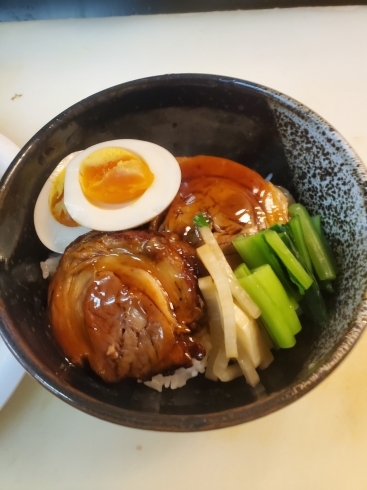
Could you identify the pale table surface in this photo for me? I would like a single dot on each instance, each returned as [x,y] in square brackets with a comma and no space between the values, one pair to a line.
[316,55]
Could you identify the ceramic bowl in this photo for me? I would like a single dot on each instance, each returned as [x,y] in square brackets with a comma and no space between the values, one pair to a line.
[190,114]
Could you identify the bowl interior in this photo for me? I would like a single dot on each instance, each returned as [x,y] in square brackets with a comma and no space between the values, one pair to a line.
[190,115]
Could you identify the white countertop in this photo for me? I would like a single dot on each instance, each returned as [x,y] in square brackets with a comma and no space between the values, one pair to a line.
[317,56]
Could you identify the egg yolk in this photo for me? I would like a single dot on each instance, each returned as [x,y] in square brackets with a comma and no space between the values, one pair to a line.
[56,201]
[114,176]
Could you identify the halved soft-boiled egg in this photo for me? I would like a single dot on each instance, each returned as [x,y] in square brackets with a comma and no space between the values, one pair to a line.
[114,185]
[54,226]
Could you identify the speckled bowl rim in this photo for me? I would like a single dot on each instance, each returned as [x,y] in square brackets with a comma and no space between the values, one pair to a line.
[213,420]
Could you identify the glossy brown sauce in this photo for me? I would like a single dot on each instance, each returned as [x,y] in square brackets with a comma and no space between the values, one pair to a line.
[236,199]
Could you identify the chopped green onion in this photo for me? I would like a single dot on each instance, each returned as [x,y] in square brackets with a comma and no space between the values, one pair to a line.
[200,220]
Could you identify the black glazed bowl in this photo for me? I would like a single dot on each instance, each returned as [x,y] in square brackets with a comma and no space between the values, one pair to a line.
[190,115]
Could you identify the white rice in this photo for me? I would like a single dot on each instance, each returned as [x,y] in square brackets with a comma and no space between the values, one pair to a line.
[49,265]
[182,375]
[178,378]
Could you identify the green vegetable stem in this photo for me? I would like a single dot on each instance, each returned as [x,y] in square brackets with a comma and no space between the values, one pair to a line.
[255,252]
[271,313]
[312,303]
[269,281]
[297,273]
[321,257]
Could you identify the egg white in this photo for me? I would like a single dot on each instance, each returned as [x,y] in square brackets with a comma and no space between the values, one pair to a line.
[53,234]
[112,217]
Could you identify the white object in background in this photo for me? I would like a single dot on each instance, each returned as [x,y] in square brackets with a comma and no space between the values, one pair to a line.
[11,372]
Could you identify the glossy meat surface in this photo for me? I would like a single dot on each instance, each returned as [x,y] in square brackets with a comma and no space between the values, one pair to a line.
[127,302]
[235,198]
